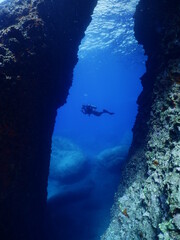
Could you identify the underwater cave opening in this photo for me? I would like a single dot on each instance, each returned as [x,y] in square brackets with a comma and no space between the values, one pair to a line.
[88,151]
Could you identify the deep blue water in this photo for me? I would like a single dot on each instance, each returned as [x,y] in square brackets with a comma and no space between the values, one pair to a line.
[107,81]
[88,151]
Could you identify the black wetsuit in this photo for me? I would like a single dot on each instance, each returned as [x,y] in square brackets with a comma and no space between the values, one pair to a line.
[89,109]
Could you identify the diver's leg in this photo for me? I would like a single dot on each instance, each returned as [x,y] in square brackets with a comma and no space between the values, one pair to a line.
[105,111]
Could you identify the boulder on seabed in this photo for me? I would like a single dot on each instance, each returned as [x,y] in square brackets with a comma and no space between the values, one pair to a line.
[112,158]
[68,163]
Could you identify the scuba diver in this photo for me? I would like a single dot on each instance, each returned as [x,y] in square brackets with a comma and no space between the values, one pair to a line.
[90,109]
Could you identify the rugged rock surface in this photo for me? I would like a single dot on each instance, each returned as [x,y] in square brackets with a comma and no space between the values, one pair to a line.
[39,41]
[147,205]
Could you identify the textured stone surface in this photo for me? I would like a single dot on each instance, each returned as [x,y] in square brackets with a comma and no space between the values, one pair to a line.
[147,205]
[39,41]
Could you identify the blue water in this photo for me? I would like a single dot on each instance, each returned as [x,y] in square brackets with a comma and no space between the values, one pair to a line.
[88,151]
[107,81]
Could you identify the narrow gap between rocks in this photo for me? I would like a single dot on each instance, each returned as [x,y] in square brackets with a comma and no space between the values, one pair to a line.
[88,151]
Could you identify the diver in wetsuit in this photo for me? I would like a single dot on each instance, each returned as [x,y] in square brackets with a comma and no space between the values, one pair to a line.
[90,109]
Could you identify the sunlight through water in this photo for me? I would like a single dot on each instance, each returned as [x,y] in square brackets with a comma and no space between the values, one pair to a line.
[111,27]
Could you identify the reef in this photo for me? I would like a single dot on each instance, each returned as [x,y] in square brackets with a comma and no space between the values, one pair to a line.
[147,204]
[39,41]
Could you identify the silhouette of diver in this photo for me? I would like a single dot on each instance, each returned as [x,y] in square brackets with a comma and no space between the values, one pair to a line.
[90,109]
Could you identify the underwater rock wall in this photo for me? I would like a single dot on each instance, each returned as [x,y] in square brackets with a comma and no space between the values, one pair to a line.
[39,41]
[147,204]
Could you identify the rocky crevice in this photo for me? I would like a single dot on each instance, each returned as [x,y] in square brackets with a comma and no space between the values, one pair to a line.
[39,41]
[147,205]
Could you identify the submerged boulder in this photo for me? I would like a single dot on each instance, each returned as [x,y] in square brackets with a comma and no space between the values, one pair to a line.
[68,163]
[113,158]
[77,198]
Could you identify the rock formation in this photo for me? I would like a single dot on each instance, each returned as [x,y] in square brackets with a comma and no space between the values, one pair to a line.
[147,205]
[39,41]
